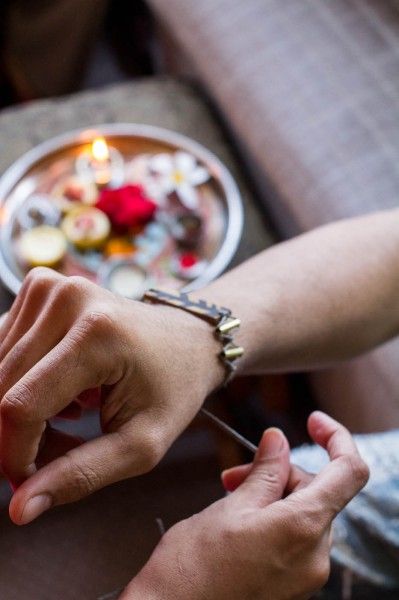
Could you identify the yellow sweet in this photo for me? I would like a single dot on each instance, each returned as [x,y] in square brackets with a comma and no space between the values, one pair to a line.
[86,227]
[43,246]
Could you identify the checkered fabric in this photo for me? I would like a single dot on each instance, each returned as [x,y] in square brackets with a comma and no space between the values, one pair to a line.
[310,88]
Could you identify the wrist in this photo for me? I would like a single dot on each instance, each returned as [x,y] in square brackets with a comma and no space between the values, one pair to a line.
[140,589]
[197,340]
[152,583]
[207,317]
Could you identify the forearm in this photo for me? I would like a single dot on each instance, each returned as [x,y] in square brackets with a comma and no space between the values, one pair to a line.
[322,297]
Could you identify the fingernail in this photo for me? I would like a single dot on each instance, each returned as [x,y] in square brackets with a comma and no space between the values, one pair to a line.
[223,476]
[35,507]
[272,443]
[226,472]
[323,416]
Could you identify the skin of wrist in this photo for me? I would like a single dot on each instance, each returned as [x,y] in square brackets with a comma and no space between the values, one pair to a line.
[197,338]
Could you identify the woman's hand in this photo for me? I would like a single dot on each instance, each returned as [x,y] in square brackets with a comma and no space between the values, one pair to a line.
[270,538]
[155,366]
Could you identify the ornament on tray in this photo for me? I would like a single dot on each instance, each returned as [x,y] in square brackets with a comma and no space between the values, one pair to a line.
[119,246]
[102,164]
[127,206]
[73,191]
[187,265]
[86,227]
[180,173]
[186,229]
[125,278]
[39,209]
[42,246]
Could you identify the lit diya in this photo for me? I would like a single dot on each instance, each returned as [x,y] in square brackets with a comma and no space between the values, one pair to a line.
[103,165]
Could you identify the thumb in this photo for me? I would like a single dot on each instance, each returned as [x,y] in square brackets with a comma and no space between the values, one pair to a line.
[86,469]
[268,477]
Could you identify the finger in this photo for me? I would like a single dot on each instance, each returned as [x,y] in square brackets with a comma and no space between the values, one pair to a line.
[83,470]
[27,351]
[267,479]
[343,478]
[298,479]
[3,320]
[234,477]
[41,394]
[27,307]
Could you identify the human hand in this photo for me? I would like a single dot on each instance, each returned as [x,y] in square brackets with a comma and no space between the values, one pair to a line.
[154,364]
[270,538]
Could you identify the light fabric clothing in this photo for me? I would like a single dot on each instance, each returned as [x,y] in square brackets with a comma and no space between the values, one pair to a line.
[366,533]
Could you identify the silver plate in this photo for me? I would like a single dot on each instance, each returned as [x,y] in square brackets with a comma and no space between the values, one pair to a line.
[22,174]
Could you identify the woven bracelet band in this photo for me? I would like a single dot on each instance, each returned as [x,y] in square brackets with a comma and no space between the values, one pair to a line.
[225,324]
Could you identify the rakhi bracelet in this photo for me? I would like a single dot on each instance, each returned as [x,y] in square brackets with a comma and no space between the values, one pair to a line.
[225,324]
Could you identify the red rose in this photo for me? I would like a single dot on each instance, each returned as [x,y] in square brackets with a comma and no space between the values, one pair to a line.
[127,206]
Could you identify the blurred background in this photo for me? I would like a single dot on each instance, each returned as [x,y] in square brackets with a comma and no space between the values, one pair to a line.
[301,99]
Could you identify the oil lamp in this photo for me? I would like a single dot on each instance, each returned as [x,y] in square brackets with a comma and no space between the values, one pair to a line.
[101,164]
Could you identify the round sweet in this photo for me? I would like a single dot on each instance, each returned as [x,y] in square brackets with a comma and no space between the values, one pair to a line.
[86,227]
[43,246]
[73,191]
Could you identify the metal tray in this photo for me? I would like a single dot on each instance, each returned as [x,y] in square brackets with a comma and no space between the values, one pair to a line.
[21,180]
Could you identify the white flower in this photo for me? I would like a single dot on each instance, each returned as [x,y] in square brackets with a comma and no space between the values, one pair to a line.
[179,173]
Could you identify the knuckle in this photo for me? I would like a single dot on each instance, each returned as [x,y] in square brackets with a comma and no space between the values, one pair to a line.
[15,405]
[97,322]
[358,469]
[269,477]
[83,480]
[75,283]
[150,451]
[70,287]
[41,277]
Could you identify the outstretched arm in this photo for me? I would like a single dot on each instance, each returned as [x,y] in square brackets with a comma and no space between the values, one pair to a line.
[322,297]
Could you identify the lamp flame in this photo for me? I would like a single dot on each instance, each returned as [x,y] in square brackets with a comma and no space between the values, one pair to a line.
[100,150]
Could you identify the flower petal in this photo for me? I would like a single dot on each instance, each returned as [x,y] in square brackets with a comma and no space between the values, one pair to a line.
[185,162]
[166,184]
[162,163]
[188,196]
[199,175]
